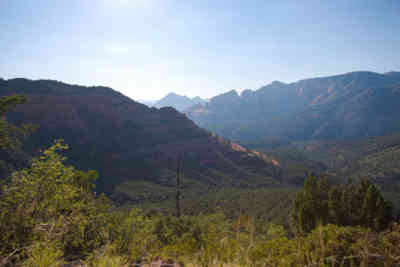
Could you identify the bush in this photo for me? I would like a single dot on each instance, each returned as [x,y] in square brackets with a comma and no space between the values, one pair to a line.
[132,234]
[43,255]
[51,202]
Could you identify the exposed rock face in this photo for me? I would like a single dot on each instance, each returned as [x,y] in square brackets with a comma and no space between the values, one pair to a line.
[352,105]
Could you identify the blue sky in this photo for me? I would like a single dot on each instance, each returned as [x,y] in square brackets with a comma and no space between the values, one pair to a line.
[148,48]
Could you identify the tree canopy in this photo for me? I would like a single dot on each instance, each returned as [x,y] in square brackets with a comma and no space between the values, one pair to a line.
[353,204]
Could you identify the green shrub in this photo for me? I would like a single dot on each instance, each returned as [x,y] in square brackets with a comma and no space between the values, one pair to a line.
[132,234]
[51,202]
[43,255]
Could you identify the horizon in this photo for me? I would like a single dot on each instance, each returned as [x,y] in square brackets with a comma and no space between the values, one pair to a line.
[204,98]
[147,49]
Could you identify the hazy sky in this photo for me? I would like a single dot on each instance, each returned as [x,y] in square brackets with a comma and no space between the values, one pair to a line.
[147,48]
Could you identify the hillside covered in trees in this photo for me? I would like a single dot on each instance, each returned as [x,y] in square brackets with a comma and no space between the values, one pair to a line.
[135,149]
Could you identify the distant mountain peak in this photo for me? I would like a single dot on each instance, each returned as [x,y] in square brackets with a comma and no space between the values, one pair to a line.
[231,93]
[277,83]
[179,102]
[172,94]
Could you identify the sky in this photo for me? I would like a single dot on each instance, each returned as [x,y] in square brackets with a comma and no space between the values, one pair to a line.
[148,48]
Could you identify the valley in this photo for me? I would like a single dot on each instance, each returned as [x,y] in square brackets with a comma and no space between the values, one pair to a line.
[143,133]
[251,185]
[137,149]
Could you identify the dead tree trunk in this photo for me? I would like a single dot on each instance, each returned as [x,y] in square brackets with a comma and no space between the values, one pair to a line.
[178,187]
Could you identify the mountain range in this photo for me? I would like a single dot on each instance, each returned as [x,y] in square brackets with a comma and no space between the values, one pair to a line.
[347,106]
[135,149]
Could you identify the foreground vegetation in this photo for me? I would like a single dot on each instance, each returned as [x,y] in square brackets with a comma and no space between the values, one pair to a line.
[50,215]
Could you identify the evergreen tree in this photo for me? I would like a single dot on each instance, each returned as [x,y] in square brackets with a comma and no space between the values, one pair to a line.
[345,205]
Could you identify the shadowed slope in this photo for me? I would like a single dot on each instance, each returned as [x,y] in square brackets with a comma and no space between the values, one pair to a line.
[131,144]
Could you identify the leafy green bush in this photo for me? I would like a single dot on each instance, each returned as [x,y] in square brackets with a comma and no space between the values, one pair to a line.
[51,202]
[132,234]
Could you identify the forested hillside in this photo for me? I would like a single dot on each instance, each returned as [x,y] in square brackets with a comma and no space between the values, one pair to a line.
[135,149]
